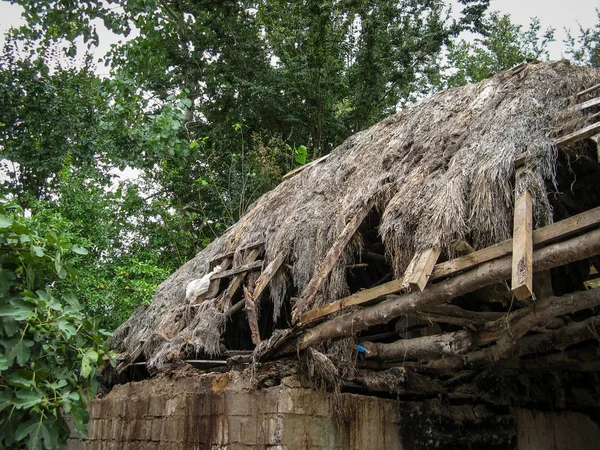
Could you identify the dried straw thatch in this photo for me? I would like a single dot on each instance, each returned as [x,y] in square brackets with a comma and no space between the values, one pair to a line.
[439,171]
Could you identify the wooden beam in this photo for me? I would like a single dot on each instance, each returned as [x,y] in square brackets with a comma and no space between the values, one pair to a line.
[237,280]
[305,166]
[584,133]
[541,236]
[266,275]
[588,90]
[215,285]
[349,324]
[417,278]
[358,298]
[522,270]
[231,254]
[244,268]
[536,343]
[252,314]
[589,104]
[455,315]
[446,344]
[334,253]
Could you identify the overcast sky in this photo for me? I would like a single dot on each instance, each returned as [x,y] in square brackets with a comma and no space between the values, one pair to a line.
[552,13]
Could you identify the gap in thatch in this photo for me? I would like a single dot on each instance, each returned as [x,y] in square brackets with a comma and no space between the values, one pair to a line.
[371,268]
[577,190]
[237,330]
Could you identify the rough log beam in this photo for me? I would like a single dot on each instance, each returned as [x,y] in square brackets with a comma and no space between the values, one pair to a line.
[435,346]
[522,272]
[507,330]
[538,343]
[333,255]
[237,270]
[244,249]
[452,314]
[576,136]
[541,236]
[555,255]
[266,276]
[420,269]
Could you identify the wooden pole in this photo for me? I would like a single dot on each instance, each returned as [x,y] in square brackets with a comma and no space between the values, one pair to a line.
[522,270]
[555,255]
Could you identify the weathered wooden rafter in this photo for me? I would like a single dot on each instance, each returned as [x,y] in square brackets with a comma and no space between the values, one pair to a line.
[554,255]
[238,279]
[541,236]
[333,255]
[244,268]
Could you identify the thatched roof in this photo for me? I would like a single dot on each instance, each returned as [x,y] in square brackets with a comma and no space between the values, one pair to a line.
[439,171]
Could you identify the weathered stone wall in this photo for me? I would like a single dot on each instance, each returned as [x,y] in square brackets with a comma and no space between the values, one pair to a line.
[221,412]
[190,410]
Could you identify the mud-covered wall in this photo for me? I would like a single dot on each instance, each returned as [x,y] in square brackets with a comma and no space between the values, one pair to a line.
[188,411]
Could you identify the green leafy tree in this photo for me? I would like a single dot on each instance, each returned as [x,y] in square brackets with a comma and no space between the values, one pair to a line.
[51,349]
[585,48]
[500,45]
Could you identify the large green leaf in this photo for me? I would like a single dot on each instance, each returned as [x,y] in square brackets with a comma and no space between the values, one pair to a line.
[18,379]
[19,349]
[26,398]
[88,363]
[5,222]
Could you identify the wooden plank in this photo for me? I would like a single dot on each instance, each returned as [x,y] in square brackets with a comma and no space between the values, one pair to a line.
[334,253]
[266,276]
[417,279]
[358,298]
[409,271]
[588,90]
[522,268]
[578,135]
[237,280]
[541,236]
[589,104]
[232,253]
[305,166]
[252,316]
[237,270]
[215,285]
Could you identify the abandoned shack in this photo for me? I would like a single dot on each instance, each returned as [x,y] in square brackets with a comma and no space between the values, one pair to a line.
[430,284]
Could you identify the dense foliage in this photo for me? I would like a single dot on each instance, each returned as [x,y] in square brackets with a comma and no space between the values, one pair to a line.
[51,347]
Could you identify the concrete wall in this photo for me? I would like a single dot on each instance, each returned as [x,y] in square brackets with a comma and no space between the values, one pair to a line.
[219,412]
